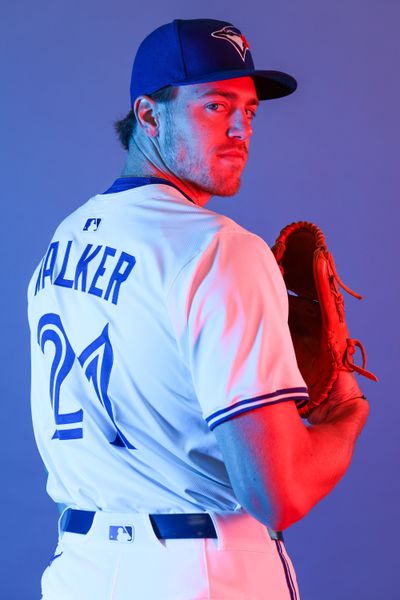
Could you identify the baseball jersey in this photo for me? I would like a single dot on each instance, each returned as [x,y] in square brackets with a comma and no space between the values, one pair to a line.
[152,320]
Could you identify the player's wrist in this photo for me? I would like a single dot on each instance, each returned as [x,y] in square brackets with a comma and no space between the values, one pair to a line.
[341,405]
[345,388]
[354,410]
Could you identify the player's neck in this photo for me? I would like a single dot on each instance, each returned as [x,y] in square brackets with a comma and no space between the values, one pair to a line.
[138,166]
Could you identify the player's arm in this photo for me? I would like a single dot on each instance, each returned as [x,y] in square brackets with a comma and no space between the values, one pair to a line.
[278,467]
[229,309]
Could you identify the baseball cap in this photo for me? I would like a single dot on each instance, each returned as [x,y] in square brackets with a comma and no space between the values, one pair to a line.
[188,51]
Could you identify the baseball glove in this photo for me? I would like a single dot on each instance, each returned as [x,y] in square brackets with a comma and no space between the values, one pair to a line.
[317,321]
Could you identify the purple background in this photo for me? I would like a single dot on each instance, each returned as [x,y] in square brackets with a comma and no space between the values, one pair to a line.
[326,154]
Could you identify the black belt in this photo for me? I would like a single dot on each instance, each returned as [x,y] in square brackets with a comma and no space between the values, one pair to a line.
[175,526]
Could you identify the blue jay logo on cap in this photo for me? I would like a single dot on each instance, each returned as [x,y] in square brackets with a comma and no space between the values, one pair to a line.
[235,37]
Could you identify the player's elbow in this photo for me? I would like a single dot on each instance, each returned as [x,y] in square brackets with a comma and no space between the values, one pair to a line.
[278,514]
[290,513]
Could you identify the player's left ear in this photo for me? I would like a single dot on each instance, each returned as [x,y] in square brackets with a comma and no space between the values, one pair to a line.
[145,112]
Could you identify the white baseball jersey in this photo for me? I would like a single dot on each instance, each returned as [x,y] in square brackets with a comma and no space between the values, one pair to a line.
[152,321]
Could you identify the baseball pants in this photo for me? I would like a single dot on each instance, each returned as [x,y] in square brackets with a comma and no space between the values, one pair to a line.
[121,558]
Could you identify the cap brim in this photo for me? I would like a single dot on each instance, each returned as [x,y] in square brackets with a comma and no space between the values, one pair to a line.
[273,84]
[269,84]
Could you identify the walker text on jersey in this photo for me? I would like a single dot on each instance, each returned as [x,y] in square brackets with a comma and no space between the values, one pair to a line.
[98,270]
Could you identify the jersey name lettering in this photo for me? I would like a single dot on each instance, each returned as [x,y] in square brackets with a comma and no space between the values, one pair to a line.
[100,270]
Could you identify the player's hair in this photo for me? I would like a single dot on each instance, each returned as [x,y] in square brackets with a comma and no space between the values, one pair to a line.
[126,126]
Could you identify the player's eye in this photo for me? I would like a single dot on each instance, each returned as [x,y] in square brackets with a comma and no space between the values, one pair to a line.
[251,113]
[219,107]
[214,106]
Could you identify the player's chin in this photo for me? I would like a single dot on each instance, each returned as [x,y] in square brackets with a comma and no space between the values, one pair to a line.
[228,187]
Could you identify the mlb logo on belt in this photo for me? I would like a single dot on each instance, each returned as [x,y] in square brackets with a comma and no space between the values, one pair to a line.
[121,533]
[92,224]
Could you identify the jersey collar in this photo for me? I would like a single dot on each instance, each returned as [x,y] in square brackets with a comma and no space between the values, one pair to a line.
[126,183]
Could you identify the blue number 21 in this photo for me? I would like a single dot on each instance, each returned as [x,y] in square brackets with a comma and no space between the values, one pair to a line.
[96,361]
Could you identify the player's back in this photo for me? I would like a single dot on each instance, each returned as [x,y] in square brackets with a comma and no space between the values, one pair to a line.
[115,412]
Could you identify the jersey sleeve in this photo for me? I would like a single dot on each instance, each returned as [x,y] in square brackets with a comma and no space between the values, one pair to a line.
[229,310]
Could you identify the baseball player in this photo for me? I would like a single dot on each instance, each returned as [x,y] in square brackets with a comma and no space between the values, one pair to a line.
[164,381]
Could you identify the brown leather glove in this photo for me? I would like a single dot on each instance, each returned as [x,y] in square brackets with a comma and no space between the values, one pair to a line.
[317,321]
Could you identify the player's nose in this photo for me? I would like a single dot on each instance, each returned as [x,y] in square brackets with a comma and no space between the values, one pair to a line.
[240,125]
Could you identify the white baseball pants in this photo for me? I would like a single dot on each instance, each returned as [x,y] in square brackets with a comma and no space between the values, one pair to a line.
[243,563]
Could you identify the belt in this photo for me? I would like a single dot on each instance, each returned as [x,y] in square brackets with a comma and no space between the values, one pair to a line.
[165,526]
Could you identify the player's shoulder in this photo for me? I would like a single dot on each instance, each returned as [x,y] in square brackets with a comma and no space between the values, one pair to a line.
[228,228]
[225,246]
[74,220]
[219,227]
[231,235]
[238,253]
[186,228]
[206,234]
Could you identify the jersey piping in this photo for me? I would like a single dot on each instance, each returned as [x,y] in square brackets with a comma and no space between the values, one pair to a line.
[121,184]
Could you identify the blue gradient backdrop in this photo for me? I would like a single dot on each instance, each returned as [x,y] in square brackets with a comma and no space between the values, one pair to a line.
[325,154]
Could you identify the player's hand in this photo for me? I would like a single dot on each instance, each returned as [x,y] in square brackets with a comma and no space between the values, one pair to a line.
[344,399]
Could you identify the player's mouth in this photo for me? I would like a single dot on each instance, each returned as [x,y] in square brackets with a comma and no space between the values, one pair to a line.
[233,156]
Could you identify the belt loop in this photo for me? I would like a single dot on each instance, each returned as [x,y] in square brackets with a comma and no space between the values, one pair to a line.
[217,529]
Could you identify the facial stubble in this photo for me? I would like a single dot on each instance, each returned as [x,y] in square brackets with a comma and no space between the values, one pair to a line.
[186,161]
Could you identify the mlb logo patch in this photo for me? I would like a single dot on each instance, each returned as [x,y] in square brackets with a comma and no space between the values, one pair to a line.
[92,224]
[121,533]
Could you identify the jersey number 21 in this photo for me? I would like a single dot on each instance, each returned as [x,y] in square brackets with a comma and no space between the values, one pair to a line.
[96,361]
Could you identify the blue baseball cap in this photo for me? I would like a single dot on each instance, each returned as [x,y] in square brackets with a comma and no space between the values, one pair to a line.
[188,51]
